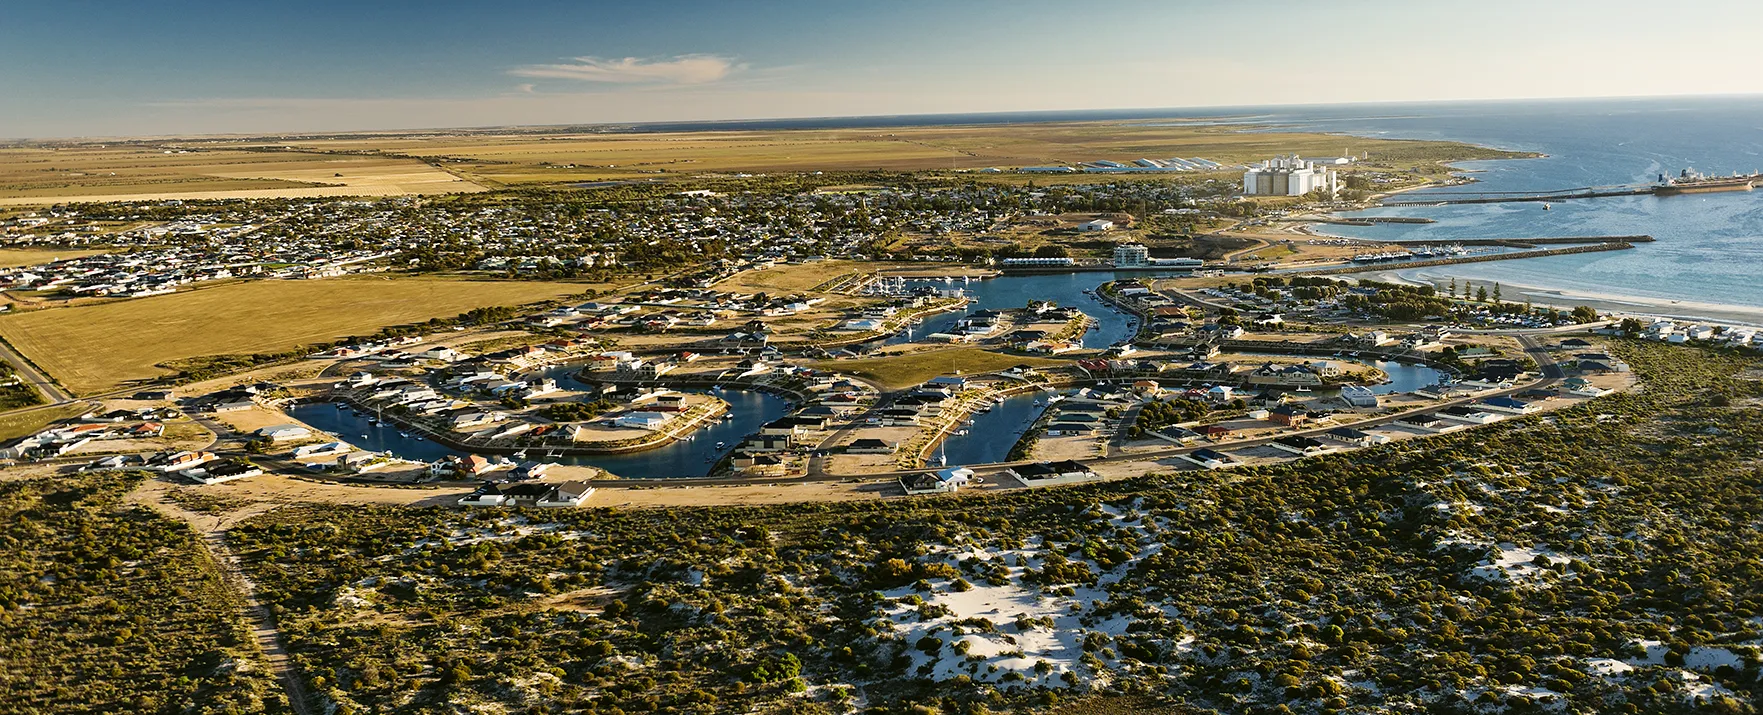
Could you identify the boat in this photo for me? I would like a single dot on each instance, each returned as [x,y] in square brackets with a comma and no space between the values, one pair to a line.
[1692,182]
[719,445]
[520,455]
[403,434]
[1545,206]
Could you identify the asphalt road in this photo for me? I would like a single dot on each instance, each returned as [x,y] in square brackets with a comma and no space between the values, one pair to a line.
[51,391]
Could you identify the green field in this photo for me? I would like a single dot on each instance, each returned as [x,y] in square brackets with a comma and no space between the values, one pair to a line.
[907,370]
[97,348]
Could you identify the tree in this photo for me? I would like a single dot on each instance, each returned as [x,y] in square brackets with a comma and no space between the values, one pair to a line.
[1052,251]
[1453,287]
[1481,294]
[1496,292]
[1630,327]
[1586,314]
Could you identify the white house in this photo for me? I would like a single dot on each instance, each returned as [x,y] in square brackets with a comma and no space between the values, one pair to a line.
[1100,224]
[939,482]
[284,433]
[642,420]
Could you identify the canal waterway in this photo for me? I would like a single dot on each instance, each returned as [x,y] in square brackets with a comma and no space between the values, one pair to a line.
[993,433]
[1015,291]
[690,457]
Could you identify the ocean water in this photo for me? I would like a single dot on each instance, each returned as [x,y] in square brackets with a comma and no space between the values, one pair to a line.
[1708,248]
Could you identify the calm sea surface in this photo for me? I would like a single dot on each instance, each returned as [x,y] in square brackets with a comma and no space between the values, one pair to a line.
[1709,247]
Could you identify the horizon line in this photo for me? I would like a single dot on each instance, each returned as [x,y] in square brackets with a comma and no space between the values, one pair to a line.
[688,125]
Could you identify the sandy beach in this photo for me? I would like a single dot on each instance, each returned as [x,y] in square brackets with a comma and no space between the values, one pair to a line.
[1603,302]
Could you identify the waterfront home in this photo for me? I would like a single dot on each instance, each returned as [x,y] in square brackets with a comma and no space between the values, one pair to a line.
[1358,396]
[1209,459]
[321,450]
[942,481]
[760,465]
[1220,394]
[1302,446]
[769,443]
[642,420]
[284,433]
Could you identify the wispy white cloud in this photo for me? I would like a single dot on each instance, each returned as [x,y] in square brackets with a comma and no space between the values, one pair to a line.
[682,69]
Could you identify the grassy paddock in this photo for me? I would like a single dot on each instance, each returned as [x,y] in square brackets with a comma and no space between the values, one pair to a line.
[96,348]
[906,370]
[22,422]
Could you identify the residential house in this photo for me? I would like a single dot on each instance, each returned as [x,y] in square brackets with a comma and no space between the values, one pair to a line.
[942,481]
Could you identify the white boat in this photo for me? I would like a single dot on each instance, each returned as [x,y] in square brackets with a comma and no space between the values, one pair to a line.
[719,445]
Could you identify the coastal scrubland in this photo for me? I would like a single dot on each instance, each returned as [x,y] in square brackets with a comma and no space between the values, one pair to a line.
[1597,558]
[110,607]
[95,348]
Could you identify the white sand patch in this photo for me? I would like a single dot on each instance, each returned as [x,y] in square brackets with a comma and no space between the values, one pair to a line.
[1049,642]
[1514,563]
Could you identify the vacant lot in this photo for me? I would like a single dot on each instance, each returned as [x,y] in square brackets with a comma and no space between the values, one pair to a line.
[906,370]
[96,348]
[134,172]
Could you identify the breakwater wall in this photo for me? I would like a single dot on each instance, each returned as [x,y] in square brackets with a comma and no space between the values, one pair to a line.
[1344,270]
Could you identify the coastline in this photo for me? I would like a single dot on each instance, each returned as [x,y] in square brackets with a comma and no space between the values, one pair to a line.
[1686,310]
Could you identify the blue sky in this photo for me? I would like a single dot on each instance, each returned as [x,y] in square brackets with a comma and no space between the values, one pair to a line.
[71,68]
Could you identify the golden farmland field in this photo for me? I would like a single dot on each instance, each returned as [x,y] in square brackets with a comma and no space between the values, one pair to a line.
[543,158]
[381,164]
[42,174]
[13,257]
[96,348]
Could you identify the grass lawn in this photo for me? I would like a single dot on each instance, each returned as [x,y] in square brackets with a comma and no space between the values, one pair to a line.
[97,348]
[20,423]
[907,370]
